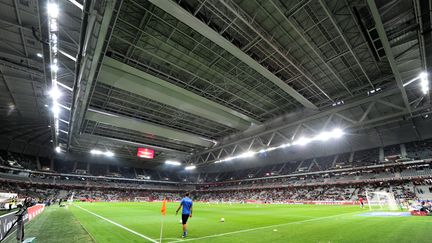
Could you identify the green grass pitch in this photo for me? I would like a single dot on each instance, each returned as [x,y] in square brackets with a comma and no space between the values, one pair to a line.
[140,222]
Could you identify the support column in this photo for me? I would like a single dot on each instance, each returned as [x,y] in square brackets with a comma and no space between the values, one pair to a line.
[403,150]
[38,164]
[88,168]
[52,164]
[74,166]
[351,158]
[335,160]
[381,154]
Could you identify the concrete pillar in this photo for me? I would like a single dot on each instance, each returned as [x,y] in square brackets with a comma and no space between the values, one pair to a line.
[381,154]
[52,164]
[335,160]
[351,158]
[403,150]
[88,168]
[38,164]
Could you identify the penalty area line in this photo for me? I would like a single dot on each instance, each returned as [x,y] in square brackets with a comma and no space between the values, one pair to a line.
[263,227]
[118,225]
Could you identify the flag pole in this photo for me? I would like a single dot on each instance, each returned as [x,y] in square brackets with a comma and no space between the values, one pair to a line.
[162,222]
[163,212]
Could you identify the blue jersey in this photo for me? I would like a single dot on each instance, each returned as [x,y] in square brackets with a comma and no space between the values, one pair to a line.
[187,205]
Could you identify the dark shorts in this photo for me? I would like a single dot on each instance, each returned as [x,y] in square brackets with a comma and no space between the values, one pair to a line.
[185,218]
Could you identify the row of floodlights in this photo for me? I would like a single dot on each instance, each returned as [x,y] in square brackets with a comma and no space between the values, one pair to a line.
[324,136]
[178,163]
[100,152]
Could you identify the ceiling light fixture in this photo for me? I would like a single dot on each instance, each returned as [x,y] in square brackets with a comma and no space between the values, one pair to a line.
[190,167]
[172,162]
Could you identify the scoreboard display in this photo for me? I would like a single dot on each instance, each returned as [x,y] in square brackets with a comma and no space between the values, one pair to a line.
[145,153]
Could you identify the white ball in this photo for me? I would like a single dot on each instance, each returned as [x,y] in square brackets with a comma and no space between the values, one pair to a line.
[222,220]
[180,221]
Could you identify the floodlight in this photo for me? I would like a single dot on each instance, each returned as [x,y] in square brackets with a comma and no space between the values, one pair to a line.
[58,149]
[324,136]
[39,55]
[109,154]
[190,167]
[54,67]
[424,82]
[172,162]
[246,154]
[53,10]
[337,133]
[302,141]
[56,110]
[95,151]
[55,93]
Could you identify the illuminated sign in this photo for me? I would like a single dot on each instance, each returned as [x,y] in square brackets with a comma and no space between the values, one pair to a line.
[145,153]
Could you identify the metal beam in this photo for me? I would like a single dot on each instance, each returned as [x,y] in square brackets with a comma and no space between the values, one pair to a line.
[294,123]
[88,60]
[125,77]
[148,128]
[185,17]
[91,137]
[303,37]
[339,30]
[388,51]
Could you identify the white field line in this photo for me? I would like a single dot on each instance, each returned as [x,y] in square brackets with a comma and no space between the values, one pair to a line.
[118,225]
[263,227]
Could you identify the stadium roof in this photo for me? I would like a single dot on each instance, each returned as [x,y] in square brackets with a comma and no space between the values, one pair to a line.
[200,80]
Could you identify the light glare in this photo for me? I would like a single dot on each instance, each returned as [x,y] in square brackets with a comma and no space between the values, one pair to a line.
[172,162]
[302,141]
[247,154]
[55,93]
[337,133]
[53,10]
[191,167]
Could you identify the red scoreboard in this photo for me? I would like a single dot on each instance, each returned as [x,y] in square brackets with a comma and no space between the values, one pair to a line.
[145,153]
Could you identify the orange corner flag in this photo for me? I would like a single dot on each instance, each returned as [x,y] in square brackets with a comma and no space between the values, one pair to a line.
[163,209]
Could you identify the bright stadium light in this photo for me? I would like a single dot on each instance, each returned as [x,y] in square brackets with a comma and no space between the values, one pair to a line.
[424,82]
[302,141]
[172,162]
[337,133]
[285,145]
[99,152]
[190,167]
[58,149]
[108,153]
[39,55]
[324,136]
[55,93]
[55,110]
[53,10]
[96,152]
[54,67]
[247,154]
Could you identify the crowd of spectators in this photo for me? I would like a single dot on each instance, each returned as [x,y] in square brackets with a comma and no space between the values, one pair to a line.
[45,193]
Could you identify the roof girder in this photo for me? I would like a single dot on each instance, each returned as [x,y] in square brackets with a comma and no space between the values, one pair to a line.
[125,77]
[148,128]
[185,17]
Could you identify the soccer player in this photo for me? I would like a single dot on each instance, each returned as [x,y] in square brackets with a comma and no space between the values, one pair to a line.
[186,203]
[361,202]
